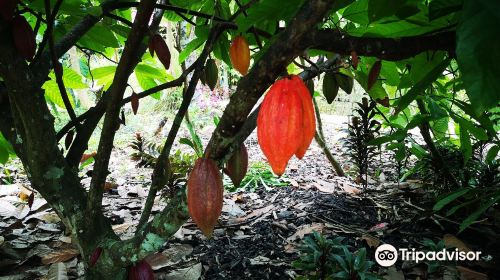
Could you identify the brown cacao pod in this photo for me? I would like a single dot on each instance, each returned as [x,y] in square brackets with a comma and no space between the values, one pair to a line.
[161,50]
[309,119]
[374,73]
[69,139]
[141,271]
[7,9]
[330,87]
[95,256]
[354,60]
[24,37]
[239,52]
[205,194]
[134,102]
[211,73]
[282,129]
[346,83]
[237,165]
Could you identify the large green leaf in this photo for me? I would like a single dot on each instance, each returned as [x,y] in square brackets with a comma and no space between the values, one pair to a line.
[478,42]
[104,75]
[378,9]
[421,85]
[439,8]
[449,198]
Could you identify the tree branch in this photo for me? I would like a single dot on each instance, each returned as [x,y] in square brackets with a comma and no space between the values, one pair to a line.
[162,168]
[125,67]
[58,74]
[383,48]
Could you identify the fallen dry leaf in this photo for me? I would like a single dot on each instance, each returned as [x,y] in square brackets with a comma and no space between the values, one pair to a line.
[370,240]
[306,229]
[60,256]
[452,241]
[469,274]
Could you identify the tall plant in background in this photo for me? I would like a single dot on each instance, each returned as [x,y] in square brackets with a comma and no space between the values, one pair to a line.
[362,129]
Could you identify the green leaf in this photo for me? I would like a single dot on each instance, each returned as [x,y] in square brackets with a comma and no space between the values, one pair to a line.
[492,154]
[475,130]
[378,9]
[53,94]
[104,75]
[421,85]
[4,154]
[465,144]
[190,47]
[478,39]
[449,198]
[439,8]
[474,216]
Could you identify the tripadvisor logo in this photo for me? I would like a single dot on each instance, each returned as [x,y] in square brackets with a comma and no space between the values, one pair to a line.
[387,255]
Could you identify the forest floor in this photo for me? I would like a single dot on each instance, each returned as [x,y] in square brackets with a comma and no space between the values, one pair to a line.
[261,228]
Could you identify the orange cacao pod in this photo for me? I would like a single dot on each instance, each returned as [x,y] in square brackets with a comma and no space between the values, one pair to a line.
[134,102]
[237,165]
[161,50]
[141,271]
[24,37]
[205,194]
[285,124]
[309,119]
[239,53]
[374,72]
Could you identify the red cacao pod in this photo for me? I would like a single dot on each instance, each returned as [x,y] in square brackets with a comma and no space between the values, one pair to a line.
[161,50]
[354,59]
[205,194]
[239,52]
[237,165]
[24,37]
[374,72]
[134,102]
[280,123]
[95,256]
[309,119]
[141,271]
[7,9]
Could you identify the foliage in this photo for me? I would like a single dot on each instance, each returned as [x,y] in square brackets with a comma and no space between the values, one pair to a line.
[259,174]
[362,129]
[324,258]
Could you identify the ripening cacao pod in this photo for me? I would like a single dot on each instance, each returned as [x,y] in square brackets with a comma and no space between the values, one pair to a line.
[205,194]
[211,73]
[69,139]
[24,37]
[141,271]
[85,157]
[284,123]
[239,53]
[95,256]
[330,87]
[161,50]
[134,102]
[7,9]
[309,119]
[354,60]
[346,83]
[374,72]
[237,165]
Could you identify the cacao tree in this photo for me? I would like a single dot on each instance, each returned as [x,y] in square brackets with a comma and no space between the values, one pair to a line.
[426,63]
